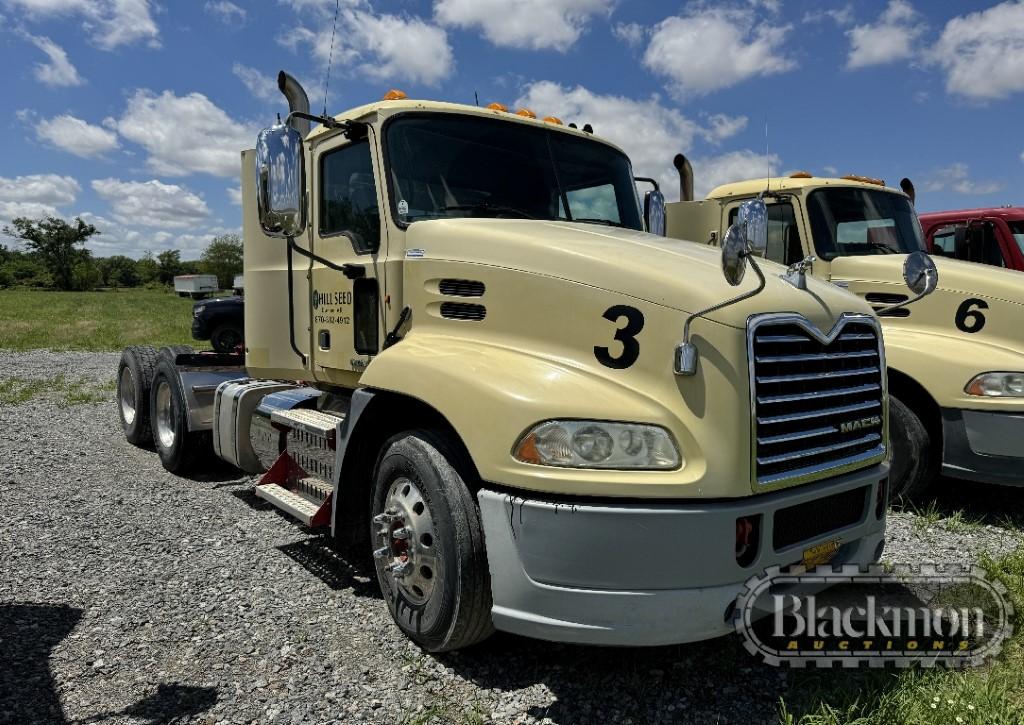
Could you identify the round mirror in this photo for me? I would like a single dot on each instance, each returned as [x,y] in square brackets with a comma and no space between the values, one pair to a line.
[752,219]
[734,261]
[920,273]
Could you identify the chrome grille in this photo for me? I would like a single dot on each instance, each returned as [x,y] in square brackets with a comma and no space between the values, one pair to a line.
[818,400]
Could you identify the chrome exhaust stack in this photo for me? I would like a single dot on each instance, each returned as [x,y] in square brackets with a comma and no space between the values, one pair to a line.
[297,101]
[682,165]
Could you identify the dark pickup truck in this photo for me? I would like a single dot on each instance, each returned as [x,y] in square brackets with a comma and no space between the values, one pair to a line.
[221,321]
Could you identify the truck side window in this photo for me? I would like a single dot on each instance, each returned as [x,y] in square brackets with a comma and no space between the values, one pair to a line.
[944,242]
[784,244]
[348,196]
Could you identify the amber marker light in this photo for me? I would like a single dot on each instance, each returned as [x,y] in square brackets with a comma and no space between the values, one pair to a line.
[553,119]
[395,95]
[526,113]
[498,107]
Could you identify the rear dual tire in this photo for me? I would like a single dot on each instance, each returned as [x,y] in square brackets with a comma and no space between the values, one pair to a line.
[179,448]
[134,379]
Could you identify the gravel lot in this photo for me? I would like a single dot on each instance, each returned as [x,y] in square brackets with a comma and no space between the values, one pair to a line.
[129,595]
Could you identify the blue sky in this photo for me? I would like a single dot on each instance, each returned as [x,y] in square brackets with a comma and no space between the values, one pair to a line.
[132,113]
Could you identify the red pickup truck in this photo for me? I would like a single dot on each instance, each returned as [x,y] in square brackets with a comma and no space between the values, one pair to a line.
[990,236]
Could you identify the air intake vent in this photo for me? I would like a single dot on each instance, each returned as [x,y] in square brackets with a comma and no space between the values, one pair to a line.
[462,288]
[817,406]
[463,311]
[815,518]
[881,299]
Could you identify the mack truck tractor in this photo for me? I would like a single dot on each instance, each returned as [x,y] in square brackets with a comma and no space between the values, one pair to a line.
[956,359]
[466,357]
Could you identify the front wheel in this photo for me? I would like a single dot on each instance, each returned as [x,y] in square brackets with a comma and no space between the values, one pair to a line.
[914,463]
[429,546]
[179,448]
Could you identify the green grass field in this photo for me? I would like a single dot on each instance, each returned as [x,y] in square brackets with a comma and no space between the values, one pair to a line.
[94,321]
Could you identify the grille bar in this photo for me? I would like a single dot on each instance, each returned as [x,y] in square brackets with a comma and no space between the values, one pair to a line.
[817,399]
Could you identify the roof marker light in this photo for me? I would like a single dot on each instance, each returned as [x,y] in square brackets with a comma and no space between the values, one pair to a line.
[526,113]
[801,175]
[864,179]
[553,119]
[498,107]
[394,95]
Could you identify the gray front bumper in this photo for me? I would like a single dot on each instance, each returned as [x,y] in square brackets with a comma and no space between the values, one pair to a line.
[983,446]
[645,573]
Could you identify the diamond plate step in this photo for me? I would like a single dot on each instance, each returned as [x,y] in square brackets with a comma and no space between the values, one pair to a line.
[315,488]
[296,505]
[313,422]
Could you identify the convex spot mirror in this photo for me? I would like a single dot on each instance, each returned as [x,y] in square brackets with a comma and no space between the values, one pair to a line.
[280,181]
[734,255]
[654,212]
[920,273]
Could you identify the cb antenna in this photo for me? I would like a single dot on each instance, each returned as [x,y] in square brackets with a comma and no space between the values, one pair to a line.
[330,56]
[767,156]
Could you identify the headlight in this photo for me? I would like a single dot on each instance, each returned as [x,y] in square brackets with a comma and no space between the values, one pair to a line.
[196,311]
[997,385]
[596,444]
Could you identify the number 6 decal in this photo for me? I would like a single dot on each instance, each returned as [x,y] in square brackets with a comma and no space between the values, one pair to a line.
[969,319]
[626,335]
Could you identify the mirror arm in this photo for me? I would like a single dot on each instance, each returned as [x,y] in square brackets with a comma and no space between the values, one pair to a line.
[900,305]
[686,353]
[351,128]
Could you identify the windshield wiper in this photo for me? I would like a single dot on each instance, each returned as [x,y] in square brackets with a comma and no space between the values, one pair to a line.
[487,207]
[882,245]
[606,222]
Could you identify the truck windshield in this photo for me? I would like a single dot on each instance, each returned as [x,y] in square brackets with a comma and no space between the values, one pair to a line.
[849,221]
[446,165]
[1017,230]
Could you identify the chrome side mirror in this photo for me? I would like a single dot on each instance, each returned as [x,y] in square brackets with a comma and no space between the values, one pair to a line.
[280,182]
[654,212]
[922,277]
[752,219]
[734,255]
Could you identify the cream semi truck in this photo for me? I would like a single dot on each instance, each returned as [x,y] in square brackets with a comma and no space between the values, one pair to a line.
[465,354]
[956,359]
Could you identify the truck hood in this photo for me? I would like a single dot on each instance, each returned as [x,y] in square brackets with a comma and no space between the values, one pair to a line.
[676,274]
[955,276]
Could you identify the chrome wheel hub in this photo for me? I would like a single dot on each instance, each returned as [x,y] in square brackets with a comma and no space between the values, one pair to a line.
[126,385]
[164,415]
[406,542]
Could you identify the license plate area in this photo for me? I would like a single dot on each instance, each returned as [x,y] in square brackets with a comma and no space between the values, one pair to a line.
[820,553]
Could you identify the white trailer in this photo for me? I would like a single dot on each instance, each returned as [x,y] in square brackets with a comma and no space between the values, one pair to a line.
[195,286]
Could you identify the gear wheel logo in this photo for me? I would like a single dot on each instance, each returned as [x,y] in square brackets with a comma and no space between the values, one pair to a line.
[850,616]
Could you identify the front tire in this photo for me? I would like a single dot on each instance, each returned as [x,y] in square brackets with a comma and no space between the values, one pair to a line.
[429,546]
[134,378]
[226,338]
[179,448]
[914,463]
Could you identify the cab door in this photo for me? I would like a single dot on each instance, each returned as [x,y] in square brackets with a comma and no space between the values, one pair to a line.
[348,239]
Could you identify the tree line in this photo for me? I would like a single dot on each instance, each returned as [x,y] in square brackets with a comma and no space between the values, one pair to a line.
[54,256]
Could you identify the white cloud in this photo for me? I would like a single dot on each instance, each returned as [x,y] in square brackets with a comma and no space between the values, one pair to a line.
[712,171]
[840,16]
[35,195]
[393,47]
[108,23]
[889,39]
[151,203]
[714,48]
[185,134]
[983,52]
[75,136]
[260,85]
[59,71]
[225,11]
[235,195]
[630,33]
[533,24]
[956,178]
[647,131]
[721,126]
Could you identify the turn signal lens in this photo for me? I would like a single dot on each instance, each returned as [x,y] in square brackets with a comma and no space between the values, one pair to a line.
[997,385]
[526,113]
[596,444]
[498,107]
[395,95]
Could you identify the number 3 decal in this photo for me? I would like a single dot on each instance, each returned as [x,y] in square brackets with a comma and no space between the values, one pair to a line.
[626,335]
[968,319]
